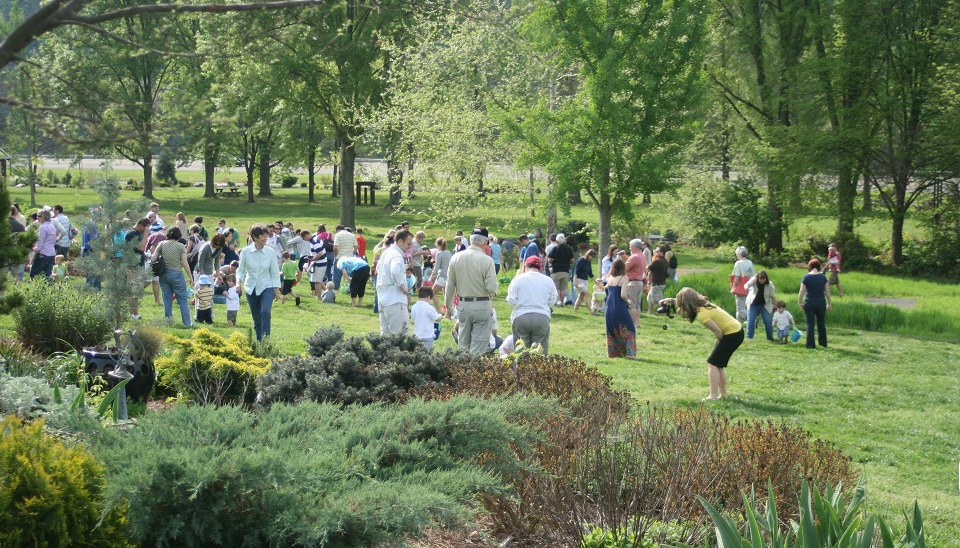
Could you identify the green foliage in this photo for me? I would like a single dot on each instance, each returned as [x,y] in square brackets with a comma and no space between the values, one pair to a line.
[713,212]
[857,255]
[210,369]
[311,474]
[18,360]
[288,181]
[666,534]
[352,370]
[825,522]
[166,168]
[31,398]
[60,317]
[51,495]
[265,348]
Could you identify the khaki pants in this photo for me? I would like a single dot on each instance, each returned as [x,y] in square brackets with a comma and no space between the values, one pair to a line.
[634,294]
[393,319]
[532,328]
[474,318]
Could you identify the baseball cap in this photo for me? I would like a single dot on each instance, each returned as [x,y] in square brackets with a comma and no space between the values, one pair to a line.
[534,262]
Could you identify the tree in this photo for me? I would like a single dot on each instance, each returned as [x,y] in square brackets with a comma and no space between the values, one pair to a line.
[637,85]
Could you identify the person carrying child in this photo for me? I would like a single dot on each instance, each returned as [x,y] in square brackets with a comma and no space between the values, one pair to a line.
[329,295]
[783,320]
[233,299]
[204,295]
[291,276]
[425,316]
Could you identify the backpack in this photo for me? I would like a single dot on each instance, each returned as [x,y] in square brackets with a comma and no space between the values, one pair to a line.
[673,261]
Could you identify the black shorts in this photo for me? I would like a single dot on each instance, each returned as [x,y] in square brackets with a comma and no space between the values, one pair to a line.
[287,287]
[725,348]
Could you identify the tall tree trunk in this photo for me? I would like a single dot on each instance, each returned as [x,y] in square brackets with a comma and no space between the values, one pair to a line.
[646,198]
[410,181]
[348,202]
[394,181]
[605,208]
[867,195]
[311,174]
[846,195]
[148,176]
[574,198]
[725,138]
[248,167]
[32,174]
[480,190]
[552,212]
[335,182]
[896,237]
[775,233]
[533,209]
[209,170]
[265,168]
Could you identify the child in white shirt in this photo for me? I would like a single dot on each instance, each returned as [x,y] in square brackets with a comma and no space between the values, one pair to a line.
[424,317]
[233,300]
[783,320]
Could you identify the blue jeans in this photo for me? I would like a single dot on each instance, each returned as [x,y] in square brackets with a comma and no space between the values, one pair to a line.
[752,321]
[93,280]
[816,312]
[337,276]
[172,282]
[260,308]
[42,266]
[328,277]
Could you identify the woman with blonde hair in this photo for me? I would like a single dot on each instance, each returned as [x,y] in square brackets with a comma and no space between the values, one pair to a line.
[441,264]
[182,224]
[695,307]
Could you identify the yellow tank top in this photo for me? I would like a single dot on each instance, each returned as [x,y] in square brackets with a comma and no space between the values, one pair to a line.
[727,323]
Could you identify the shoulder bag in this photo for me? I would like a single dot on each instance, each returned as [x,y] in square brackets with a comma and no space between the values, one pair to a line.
[157,266]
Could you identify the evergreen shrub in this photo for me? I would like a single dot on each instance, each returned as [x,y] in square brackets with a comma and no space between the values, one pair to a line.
[209,369]
[60,317]
[312,474]
[288,181]
[32,398]
[51,495]
[353,370]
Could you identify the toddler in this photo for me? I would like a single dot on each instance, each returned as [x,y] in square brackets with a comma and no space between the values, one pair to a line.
[783,320]
[599,300]
[425,317]
[291,275]
[329,295]
[59,269]
[204,299]
[233,300]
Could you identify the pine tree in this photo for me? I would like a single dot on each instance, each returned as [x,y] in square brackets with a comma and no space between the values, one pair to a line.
[113,259]
[12,252]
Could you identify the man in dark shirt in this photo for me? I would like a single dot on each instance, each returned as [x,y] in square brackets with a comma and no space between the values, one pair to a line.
[657,278]
[560,258]
[139,244]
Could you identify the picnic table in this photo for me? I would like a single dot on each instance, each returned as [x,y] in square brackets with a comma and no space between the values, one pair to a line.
[233,191]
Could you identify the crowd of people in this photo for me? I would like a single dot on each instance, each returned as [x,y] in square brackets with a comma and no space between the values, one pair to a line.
[451,281]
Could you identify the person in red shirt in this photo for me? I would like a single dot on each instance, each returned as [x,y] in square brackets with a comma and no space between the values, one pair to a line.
[834,259]
[361,244]
[636,269]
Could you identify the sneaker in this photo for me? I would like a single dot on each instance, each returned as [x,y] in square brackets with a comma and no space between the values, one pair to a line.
[298,301]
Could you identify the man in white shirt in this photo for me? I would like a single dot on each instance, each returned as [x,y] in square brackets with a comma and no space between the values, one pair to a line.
[63,241]
[392,286]
[344,245]
[532,296]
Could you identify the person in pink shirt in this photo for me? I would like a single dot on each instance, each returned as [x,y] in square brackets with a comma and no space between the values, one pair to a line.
[636,270]
[834,259]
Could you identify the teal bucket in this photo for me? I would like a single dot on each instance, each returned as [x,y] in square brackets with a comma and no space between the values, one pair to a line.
[796,335]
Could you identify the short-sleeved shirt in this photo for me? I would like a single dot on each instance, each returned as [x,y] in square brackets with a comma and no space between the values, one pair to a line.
[351,264]
[496,252]
[816,287]
[636,266]
[170,252]
[362,244]
[345,243]
[562,256]
[727,323]
[316,246]
[136,237]
[289,270]
[834,260]
[744,268]
[424,315]
[658,271]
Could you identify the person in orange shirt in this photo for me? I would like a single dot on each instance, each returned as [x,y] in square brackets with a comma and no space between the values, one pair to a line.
[636,270]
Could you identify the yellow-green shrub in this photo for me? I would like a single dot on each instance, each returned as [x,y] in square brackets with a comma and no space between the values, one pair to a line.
[210,369]
[50,494]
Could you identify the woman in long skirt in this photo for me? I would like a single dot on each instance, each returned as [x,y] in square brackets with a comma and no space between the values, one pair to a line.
[621,332]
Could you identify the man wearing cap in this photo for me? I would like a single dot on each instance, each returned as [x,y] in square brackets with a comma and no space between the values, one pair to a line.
[471,276]
[636,270]
[532,295]
[392,286]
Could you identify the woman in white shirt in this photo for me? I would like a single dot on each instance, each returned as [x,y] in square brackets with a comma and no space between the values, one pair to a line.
[532,296]
[259,277]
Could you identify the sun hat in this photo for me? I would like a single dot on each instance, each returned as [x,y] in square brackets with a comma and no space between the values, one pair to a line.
[205,280]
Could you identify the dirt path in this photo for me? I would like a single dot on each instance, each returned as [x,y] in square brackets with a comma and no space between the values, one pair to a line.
[899,303]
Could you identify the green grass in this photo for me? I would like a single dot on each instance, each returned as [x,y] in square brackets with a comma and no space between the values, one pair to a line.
[889,400]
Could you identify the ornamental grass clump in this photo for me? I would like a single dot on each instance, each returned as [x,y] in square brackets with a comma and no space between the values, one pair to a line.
[353,370]
[313,474]
[50,494]
[60,317]
[209,369]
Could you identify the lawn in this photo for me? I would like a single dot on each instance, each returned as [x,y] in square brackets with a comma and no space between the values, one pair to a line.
[889,400]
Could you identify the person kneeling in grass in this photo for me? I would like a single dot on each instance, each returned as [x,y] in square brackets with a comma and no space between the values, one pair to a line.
[695,307]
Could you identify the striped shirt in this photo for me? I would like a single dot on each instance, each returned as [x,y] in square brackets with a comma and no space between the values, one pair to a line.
[204,295]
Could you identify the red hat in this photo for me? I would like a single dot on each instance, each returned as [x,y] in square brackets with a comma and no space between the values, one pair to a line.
[534,262]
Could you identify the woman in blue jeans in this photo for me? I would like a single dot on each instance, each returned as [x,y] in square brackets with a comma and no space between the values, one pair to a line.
[761,298]
[259,277]
[815,287]
[173,254]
